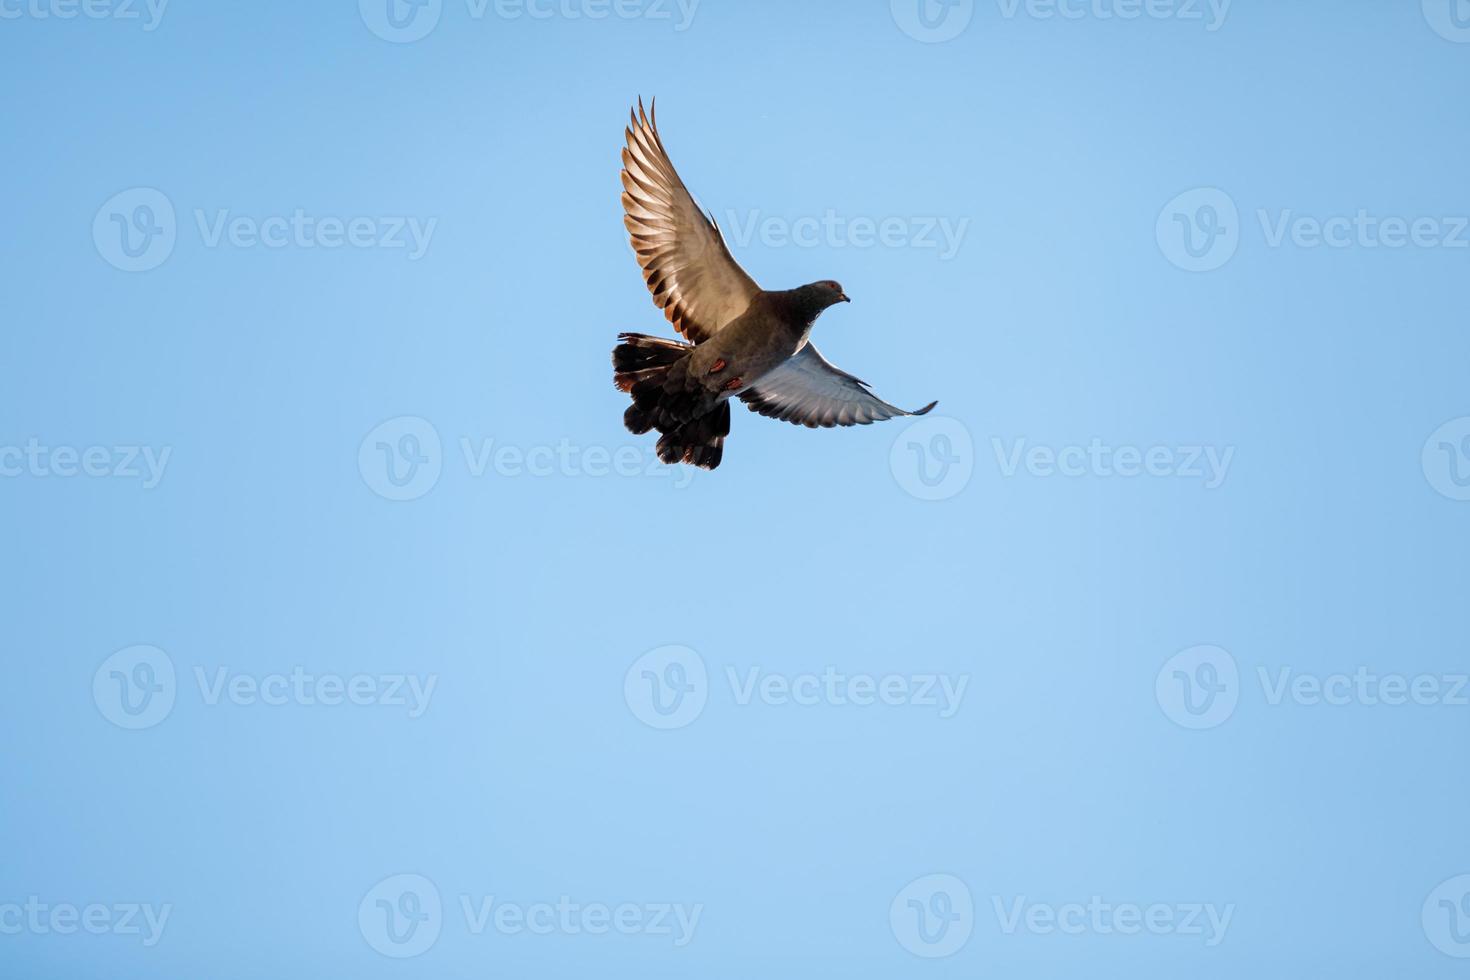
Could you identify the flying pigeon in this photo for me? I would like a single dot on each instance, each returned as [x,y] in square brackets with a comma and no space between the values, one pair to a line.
[745,341]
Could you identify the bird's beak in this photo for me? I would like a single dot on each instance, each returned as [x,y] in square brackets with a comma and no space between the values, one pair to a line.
[844,298]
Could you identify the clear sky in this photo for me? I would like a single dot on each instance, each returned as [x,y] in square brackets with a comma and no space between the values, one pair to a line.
[349,634]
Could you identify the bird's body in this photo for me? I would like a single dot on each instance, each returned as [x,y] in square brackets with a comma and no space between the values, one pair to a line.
[765,336]
[747,342]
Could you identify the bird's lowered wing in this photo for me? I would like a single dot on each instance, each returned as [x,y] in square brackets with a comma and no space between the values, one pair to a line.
[693,278]
[808,390]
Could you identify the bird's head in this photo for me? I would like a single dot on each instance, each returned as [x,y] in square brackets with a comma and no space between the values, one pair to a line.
[826,293]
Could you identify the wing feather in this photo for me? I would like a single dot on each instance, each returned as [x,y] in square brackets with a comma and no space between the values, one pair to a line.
[689,270]
[809,390]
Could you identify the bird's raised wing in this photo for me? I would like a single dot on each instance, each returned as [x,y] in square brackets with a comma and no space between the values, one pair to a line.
[808,390]
[693,278]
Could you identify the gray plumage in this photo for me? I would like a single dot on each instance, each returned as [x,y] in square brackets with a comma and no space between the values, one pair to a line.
[746,341]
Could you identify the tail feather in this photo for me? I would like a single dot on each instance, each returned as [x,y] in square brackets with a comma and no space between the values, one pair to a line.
[641,357]
[700,442]
[692,425]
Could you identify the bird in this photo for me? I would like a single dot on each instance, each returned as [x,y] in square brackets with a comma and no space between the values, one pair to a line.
[741,341]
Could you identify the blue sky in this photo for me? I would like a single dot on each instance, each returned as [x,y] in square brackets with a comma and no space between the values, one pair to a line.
[351,635]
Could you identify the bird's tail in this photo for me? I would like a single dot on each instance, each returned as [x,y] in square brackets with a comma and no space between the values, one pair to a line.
[643,358]
[698,442]
[654,371]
